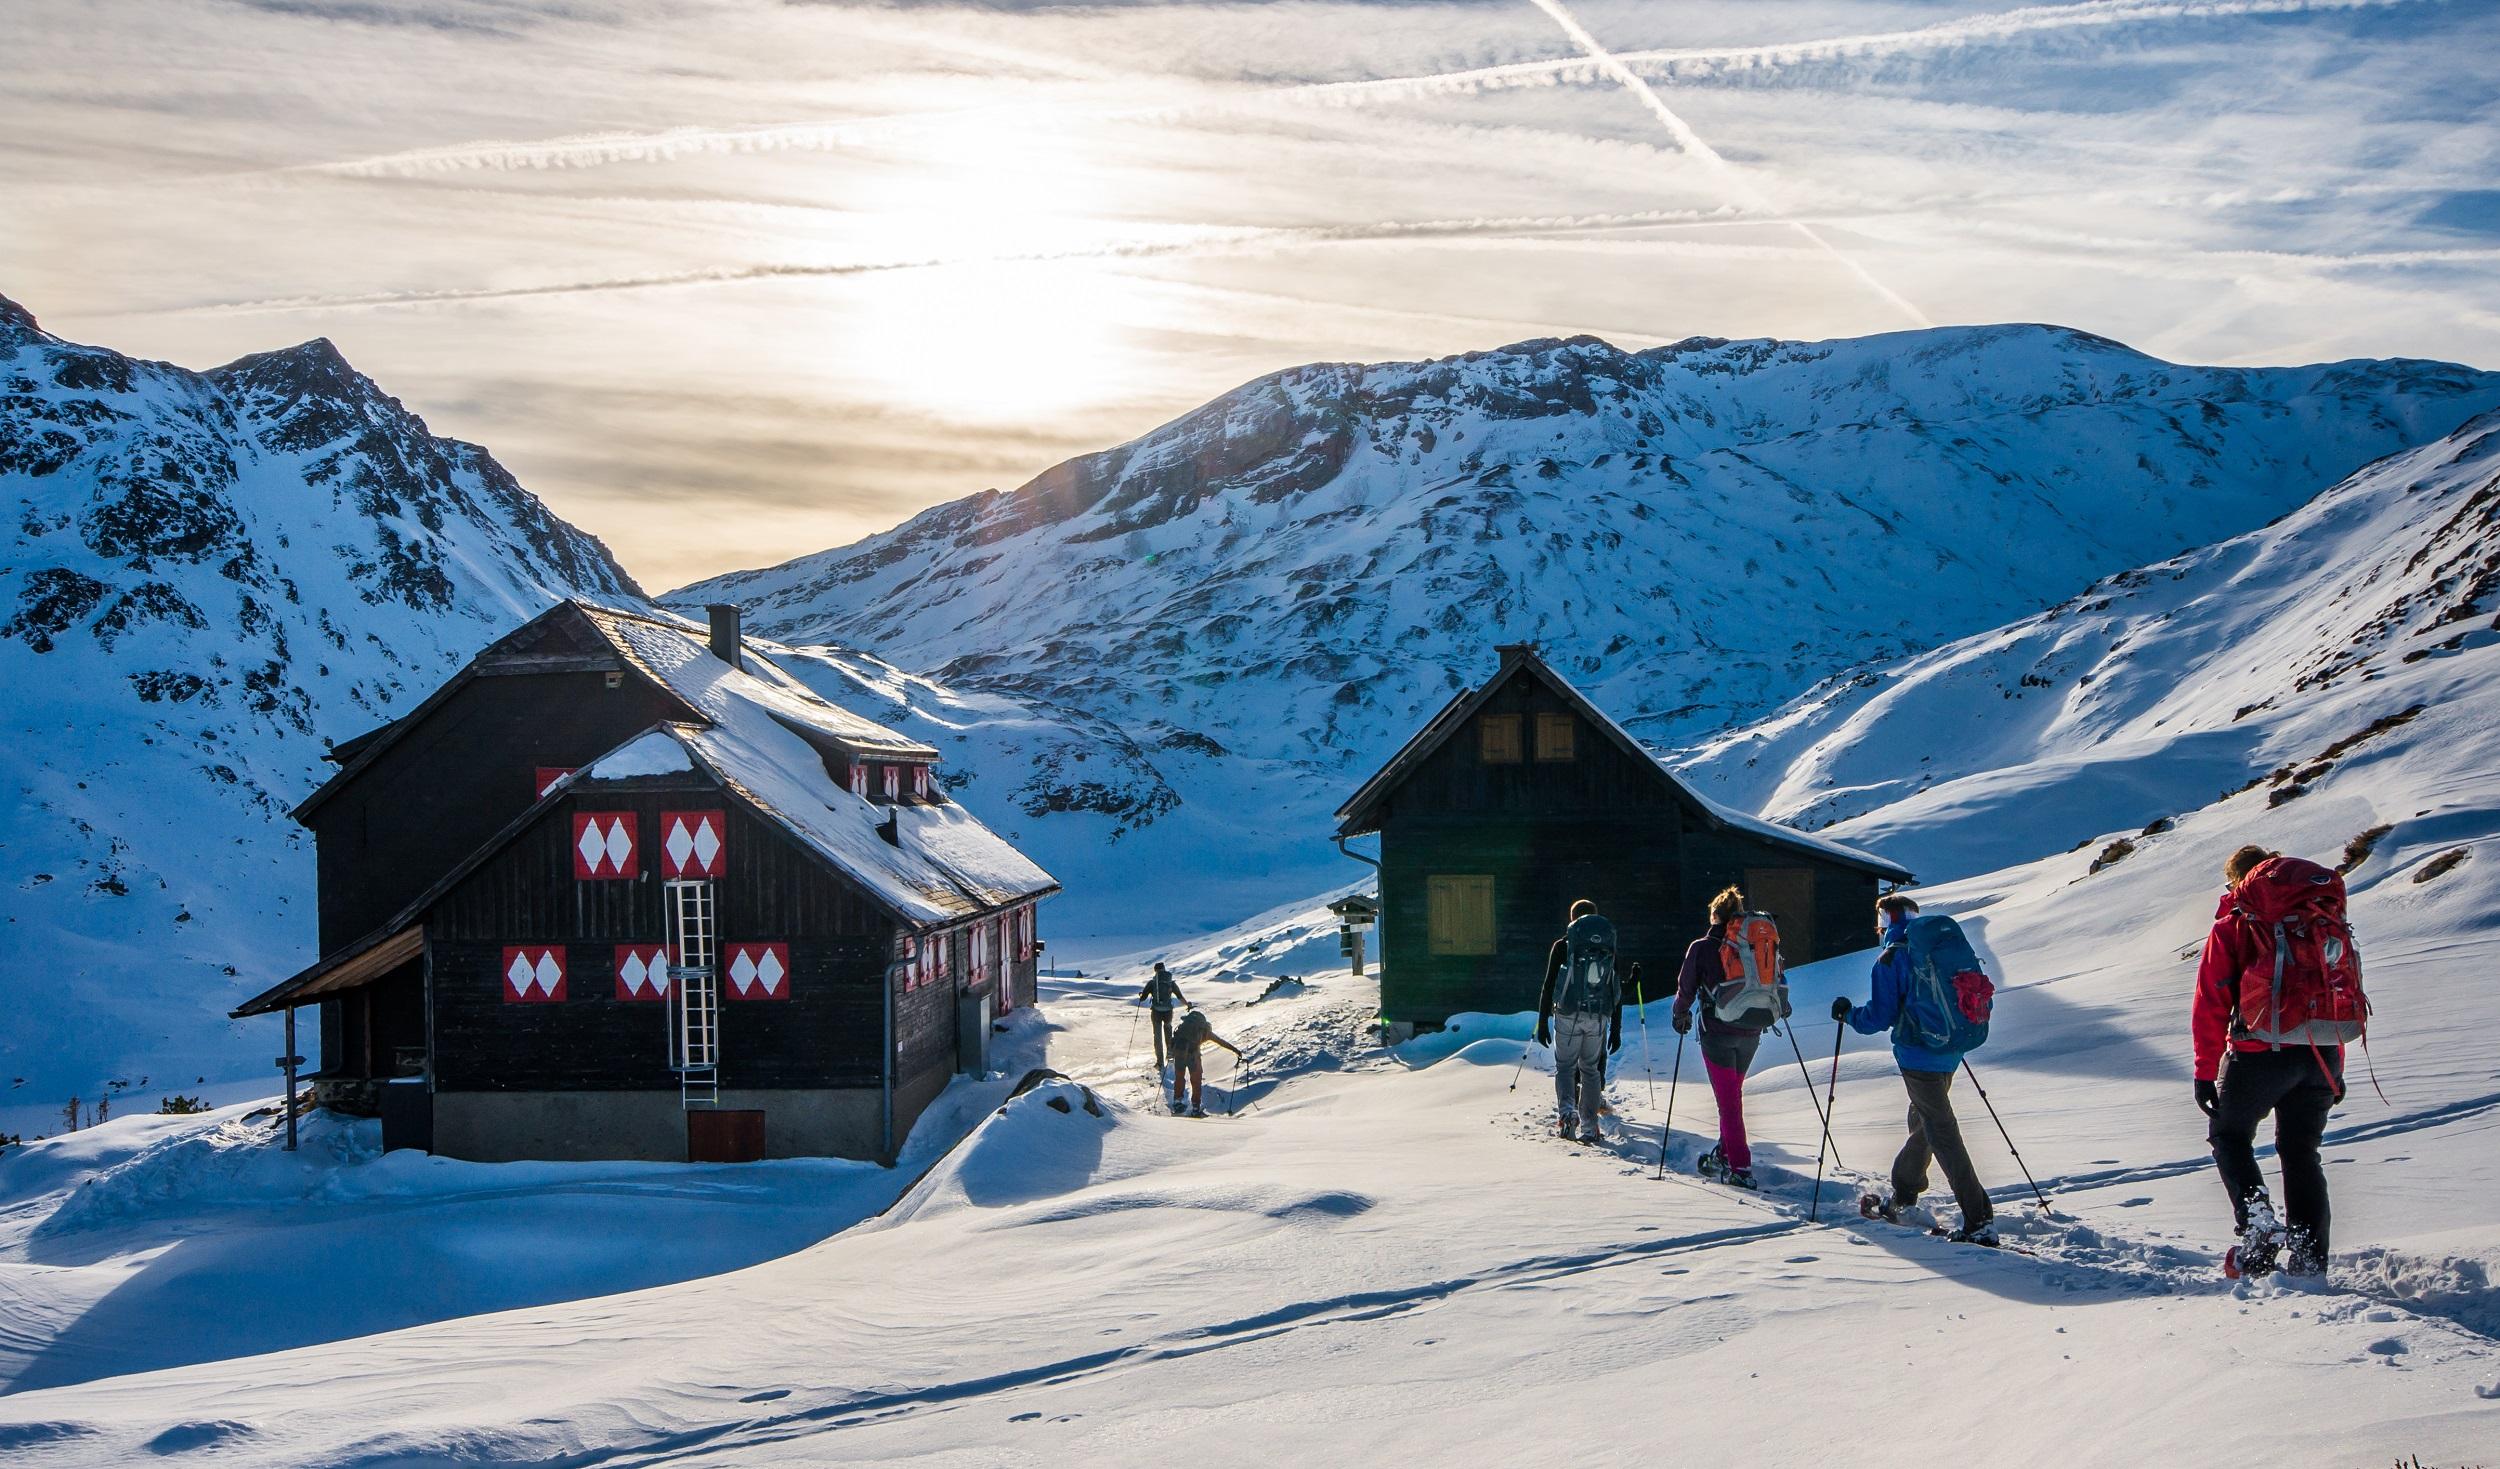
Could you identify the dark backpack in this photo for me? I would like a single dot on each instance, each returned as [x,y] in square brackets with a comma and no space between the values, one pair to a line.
[1949,998]
[1588,979]
[1192,1031]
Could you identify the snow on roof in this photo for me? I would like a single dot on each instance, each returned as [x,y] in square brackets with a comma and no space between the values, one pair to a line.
[679,657]
[945,864]
[652,752]
[1786,835]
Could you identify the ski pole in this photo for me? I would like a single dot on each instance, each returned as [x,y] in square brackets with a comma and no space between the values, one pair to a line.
[1664,1127]
[2009,1137]
[1814,1211]
[1800,1054]
[1646,1069]
[1128,1053]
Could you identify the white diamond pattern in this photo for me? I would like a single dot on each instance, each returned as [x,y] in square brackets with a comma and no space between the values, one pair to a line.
[620,846]
[548,973]
[679,844]
[592,845]
[519,973]
[706,843]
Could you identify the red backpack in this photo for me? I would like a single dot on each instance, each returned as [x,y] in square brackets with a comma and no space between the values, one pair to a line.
[2302,983]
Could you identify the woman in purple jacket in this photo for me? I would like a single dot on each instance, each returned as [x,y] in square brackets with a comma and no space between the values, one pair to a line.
[1727,1048]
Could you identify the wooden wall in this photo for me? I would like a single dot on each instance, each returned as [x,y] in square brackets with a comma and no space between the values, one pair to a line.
[828,1033]
[1603,826]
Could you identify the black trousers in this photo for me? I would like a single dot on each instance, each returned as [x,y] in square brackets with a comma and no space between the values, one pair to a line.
[1935,1133]
[1160,1021]
[2292,1085]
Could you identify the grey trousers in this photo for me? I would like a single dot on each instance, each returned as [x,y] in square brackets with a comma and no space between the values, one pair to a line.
[1579,1064]
[1935,1133]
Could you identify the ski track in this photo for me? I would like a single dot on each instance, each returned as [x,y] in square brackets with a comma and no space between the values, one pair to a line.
[1354,1308]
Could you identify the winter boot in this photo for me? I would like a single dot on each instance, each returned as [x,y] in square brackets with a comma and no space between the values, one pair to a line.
[1875,1206]
[1713,1164]
[1741,1178]
[2260,1249]
[1589,1132]
[1565,1124]
[1982,1234]
[1197,1111]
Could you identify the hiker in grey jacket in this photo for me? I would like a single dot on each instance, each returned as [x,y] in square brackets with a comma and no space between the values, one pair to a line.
[1162,995]
[1579,1012]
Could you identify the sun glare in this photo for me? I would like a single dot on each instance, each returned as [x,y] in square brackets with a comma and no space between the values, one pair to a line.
[1015,316]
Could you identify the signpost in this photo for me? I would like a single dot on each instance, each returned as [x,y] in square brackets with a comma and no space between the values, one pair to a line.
[1355,913]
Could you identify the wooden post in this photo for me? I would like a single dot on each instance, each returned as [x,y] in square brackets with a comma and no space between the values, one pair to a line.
[290,1061]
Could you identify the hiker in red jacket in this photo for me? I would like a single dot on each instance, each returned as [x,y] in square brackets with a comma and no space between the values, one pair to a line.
[2291,1068]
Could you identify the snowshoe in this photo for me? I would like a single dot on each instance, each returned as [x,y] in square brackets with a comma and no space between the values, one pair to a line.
[2260,1250]
[1197,1111]
[1740,1178]
[1178,1106]
[1565,1125]
[1984,1236]
[1874,1206]
[1590,1135]
[1713,1166]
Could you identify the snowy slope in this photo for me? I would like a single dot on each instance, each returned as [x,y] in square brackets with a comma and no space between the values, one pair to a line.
[209,576]
[1247,608]
[2287,653]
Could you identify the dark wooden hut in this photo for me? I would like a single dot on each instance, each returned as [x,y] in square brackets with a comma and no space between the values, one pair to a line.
[624,889]
[1521,796]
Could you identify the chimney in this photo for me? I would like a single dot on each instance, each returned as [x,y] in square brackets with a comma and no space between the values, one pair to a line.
[1513,652]
[725,644]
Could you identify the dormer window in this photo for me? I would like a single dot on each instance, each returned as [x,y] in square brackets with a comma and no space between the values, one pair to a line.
[893,781]
[920,782]
[859,779]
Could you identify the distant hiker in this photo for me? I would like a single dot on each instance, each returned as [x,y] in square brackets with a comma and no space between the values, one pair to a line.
[2281,982]
[1918,993]
[1195,1031]
[1734,973]
[1162,994]
[1579,1012]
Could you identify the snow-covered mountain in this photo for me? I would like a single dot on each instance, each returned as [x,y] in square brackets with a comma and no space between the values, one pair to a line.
[210,576]
[2300,662]
[1246,608]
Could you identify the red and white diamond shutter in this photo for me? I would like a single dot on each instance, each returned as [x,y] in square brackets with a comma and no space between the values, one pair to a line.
[758,971]
[544,777]
[693,844]
[606,845]
[642,971]
[533,974]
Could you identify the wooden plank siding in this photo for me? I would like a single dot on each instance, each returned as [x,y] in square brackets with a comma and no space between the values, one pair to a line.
[1601,825]
[828,1033]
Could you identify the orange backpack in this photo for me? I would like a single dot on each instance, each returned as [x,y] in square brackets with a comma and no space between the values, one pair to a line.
[1755,990]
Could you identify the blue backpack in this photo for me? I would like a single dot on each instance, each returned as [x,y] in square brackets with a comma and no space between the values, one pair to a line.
[1588,978]
[1949,997]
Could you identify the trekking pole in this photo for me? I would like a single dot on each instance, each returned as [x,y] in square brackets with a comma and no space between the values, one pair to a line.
[1232,1088]
[2009,1137]
[1128,1053]
[1515,1071]
[1664,1127]
[1646,1070]
[1814,1211]
[1800,1054]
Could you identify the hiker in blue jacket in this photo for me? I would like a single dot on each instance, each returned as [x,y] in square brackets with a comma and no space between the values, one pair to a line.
[1928,1075]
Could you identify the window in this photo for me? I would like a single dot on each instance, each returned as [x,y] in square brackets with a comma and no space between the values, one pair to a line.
[1497,739]
[859,779]
[1554,736]
[1458,916]
[920,782]
[893,781]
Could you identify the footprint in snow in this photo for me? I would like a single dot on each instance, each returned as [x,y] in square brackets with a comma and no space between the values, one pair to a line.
[770,1394]
[1026,1418]
[2135,1203]
[2388,1346]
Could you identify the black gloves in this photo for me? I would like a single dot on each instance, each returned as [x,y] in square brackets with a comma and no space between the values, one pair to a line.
[1614,1040]
[1683,1021]
[2205,1097]
[1786,1009]
[1544,1032]
[1841,1008]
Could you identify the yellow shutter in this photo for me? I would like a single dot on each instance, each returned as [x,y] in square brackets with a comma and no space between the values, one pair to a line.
[1497,739]
[1458,914]
[1554,737]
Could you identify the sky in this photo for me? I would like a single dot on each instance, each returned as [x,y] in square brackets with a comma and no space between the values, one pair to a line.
[730,282]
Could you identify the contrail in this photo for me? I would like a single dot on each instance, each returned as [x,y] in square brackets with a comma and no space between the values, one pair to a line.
[594,150]
[1209,242]
[1692,143]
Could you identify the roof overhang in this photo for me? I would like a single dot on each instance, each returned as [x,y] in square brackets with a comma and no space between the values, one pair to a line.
[359,964]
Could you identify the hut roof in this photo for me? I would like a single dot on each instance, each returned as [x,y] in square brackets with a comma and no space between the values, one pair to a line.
[1361,812]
